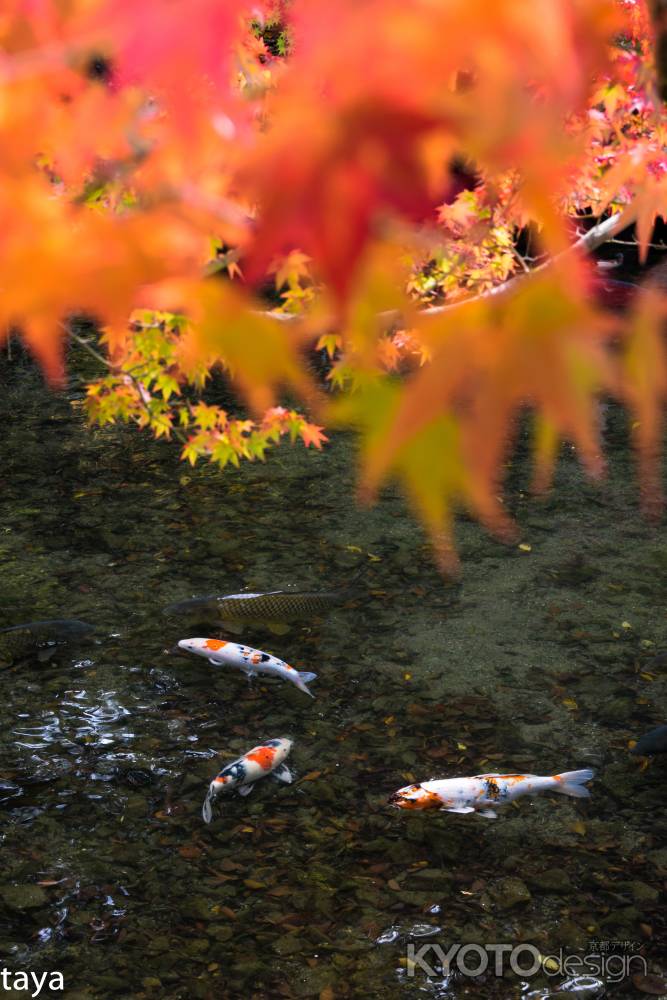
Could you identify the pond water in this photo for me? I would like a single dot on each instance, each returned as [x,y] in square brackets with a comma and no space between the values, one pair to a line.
[540,658]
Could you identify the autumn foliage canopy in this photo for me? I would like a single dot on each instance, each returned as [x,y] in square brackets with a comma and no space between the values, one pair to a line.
[413,187]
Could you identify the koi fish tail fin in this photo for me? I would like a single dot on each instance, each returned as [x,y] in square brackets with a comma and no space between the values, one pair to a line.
[573,783]
[303,679]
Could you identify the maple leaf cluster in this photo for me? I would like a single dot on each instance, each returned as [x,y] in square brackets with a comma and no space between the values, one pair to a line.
[150,388]
[411,179]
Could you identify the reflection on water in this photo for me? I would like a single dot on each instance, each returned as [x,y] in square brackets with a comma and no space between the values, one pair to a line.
[542,660]
[75,720]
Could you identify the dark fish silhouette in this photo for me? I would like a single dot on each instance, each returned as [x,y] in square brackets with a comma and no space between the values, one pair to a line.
[613,294]
[655,741]
[42,638]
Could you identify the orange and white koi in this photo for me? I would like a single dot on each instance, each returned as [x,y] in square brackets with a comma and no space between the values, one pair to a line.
[250,661]
[262,760]
[484,791]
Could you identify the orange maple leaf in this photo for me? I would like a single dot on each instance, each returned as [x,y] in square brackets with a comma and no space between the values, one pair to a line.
[311,434]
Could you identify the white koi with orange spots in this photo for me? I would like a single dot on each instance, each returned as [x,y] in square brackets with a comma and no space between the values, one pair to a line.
[262,760]
[484,791]
[251,661]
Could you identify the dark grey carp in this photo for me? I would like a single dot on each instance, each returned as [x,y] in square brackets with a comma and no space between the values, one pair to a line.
[42,638]
[655,741]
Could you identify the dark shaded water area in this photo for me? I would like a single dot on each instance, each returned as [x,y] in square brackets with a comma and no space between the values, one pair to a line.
[546,655]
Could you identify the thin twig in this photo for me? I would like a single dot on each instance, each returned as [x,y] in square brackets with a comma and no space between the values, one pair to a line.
[635,243]
[138,387]
[86,345]
[522,262]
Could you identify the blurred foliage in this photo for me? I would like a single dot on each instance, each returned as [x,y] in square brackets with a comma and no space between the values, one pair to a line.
[407,185]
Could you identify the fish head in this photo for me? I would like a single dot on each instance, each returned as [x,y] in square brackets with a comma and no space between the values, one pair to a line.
[415,797]
[193,606]
[283,747]
[74,629]
[201,646]
[191,645]
[222,783]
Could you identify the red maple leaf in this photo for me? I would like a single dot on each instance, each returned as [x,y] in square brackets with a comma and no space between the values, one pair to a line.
[180,51]
[326,196]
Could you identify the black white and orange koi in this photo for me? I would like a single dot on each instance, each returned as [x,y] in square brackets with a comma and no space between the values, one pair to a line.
[653,742]
[263,760]
[251,661]
[484,791]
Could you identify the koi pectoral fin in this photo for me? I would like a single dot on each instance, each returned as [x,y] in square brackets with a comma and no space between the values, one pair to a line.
[278,628]
[489,813]
[244,789]
[207,812]
[283,775]
[236,628]
[46,654]
[461,809]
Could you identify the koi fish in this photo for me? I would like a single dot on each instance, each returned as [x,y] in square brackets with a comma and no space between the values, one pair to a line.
[655,741]
[481,793]
[251,661]
[272,605]
[262,760]
[41,638]
[273,608]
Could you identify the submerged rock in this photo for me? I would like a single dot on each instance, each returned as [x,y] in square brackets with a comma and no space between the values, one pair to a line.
[425,878]
[288,944]
[316,982]
[509,892]
[552,880]
[643,893]
[22,898]
[658,858]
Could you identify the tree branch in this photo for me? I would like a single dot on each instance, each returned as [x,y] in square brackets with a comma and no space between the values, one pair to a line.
[590,241]
[86,345]
[138,387]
